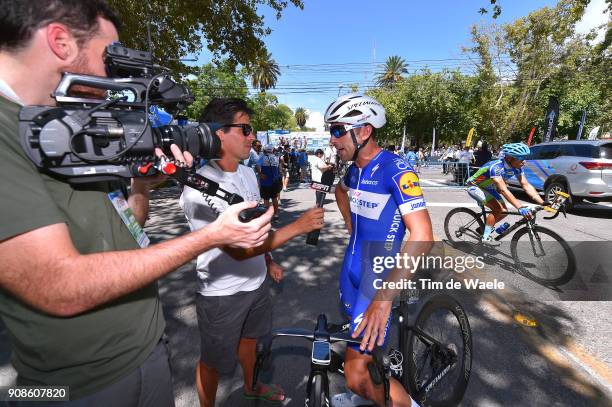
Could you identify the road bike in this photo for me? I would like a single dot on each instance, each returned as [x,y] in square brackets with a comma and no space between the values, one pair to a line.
[539,253]
[433,360]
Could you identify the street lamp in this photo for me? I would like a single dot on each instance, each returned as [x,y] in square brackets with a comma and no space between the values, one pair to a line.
[339,88]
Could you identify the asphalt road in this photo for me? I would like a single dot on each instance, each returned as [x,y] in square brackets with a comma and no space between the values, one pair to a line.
[565,361]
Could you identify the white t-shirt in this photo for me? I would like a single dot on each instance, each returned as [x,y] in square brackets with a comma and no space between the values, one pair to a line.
[218,273]
[317,165]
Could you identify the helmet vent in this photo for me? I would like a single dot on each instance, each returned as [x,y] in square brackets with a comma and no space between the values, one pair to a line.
[344,102]
[353,113]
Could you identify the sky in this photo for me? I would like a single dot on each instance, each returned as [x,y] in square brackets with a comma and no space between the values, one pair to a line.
[331,44]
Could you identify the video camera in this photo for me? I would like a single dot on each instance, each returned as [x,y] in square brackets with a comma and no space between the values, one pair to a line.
[85,139]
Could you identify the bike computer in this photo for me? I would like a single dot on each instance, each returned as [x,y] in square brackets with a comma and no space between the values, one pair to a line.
[321,353]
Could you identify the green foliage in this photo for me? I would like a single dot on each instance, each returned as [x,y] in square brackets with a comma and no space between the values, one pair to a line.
[222,80]
[264,72]
[392,73]
[301,117]
[231,28]
[269,114]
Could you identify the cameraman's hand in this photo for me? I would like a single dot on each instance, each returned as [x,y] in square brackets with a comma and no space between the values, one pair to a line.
[182,159]
[310,220]
[229,231]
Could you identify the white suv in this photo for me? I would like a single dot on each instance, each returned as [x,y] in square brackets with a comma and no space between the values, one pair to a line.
[583,169]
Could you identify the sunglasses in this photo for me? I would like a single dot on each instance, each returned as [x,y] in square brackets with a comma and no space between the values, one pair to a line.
[247,129]
[339,130]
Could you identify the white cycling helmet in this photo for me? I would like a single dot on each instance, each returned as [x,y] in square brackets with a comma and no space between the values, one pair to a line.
[354,108]
[269,148]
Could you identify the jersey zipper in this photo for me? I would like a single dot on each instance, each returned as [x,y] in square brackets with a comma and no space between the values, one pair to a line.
[356,215]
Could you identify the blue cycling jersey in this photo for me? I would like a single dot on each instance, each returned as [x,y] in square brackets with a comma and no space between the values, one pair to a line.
[379,194]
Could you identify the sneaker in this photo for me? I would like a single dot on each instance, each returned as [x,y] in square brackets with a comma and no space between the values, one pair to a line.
[489,241]
[349,399]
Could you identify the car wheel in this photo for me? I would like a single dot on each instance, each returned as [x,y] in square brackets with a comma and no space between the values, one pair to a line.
[556,186]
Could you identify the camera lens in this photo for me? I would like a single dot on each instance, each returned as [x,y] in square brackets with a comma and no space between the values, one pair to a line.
[195,138]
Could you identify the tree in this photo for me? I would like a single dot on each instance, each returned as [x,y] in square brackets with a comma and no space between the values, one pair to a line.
[215,80]
[301,117]
[231,28]
[264,72]
[394,68]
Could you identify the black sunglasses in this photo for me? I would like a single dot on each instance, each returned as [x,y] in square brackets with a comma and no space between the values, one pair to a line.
[339,130]
[247,129]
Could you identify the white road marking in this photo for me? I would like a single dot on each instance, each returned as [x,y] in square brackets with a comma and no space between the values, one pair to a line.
[431,182]
[454,204]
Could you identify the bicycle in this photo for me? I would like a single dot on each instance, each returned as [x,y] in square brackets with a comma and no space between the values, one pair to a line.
[463,225]
[435,374]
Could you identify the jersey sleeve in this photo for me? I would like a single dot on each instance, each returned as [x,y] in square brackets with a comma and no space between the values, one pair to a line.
[496,170]
[404,186]
[344,181]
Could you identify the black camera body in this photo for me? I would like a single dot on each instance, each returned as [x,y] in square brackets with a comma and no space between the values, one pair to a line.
[85,139]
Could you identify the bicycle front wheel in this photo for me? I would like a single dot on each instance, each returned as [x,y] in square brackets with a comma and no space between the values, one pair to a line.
[543,256]
[438,354]
[317,396]
[463,225]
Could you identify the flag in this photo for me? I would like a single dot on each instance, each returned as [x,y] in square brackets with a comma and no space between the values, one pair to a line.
[551,119]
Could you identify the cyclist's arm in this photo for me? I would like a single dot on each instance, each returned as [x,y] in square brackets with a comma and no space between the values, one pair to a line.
[505,192]
[530,190]
[419,243]
[43,268]
[342,200]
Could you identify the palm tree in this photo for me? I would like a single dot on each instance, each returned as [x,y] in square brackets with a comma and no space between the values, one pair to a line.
[264,72]
[301,117]
[394,68]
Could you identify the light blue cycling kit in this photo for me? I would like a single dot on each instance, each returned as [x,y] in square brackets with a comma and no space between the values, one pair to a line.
[379,194]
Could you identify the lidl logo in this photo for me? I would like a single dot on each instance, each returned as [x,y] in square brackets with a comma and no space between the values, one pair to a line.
[409,184]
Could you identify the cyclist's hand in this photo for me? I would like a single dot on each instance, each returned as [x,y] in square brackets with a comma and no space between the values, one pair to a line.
[275,271]
[525,211]
[373,325]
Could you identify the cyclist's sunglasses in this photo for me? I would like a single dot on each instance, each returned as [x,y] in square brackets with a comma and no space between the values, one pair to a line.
[247,129]
[339,130]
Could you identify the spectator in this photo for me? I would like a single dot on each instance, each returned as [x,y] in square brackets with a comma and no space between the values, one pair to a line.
[303,164]
[483,155]
[465,157]
[319,169]
[270,179]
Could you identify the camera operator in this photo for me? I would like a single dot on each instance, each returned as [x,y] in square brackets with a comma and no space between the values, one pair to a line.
[78,295]
[233,301]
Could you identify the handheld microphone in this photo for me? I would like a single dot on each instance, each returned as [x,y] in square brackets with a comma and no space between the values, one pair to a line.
[324,188]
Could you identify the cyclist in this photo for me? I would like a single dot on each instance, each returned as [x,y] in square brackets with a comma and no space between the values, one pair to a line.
[379,198]
[488,185]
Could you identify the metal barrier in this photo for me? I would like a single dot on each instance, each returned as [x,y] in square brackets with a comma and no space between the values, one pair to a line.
[455,173]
